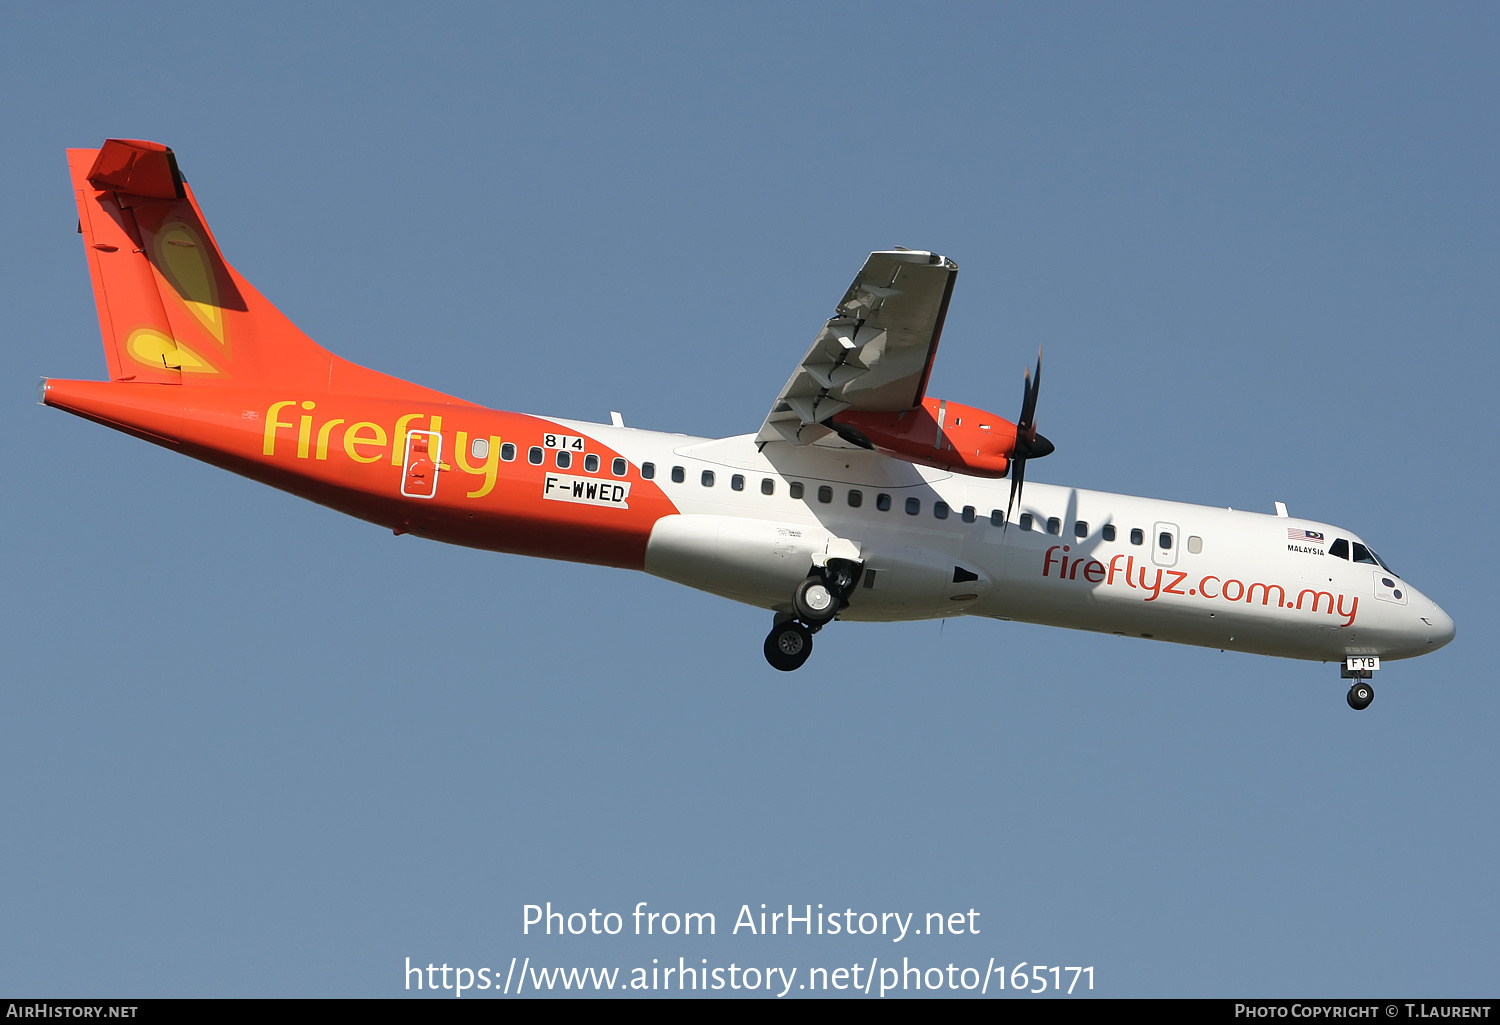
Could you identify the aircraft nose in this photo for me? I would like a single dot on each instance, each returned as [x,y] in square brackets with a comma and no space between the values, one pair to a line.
[1439,629]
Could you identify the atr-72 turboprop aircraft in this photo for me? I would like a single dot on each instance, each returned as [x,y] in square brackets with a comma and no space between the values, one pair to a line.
[859,498]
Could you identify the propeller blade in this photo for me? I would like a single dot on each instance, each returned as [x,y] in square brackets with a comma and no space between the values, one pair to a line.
[1017,479]
[1027,424]
[1029,444]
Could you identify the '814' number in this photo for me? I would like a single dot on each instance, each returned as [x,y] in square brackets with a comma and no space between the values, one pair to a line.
[565,442]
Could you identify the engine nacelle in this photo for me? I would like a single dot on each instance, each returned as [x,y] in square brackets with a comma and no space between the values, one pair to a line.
[946,435]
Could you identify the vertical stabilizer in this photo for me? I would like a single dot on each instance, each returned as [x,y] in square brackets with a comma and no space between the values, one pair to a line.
[171,309]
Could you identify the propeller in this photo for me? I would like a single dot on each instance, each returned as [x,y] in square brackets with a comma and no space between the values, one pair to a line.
[1029,444]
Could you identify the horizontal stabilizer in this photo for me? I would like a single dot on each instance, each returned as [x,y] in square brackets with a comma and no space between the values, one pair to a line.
[138,168]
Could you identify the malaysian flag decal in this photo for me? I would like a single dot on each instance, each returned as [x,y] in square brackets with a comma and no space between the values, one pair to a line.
[1298,534]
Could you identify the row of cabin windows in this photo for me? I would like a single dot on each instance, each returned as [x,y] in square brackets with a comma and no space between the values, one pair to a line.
[1340,548]
[1081,530]
[535,455]
[856,499]
[1164,540]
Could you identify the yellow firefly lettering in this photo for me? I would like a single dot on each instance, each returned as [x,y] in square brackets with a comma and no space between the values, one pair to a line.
[490,467]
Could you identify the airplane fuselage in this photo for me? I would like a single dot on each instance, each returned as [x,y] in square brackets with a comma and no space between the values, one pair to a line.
[746,520]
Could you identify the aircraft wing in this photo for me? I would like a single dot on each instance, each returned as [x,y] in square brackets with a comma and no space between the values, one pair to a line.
[875,353]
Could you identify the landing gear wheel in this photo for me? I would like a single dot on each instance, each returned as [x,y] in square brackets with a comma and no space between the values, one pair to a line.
[788,645]
[815,601]
[1360,696]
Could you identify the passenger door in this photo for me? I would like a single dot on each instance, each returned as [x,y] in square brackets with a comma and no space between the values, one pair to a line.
[424,453]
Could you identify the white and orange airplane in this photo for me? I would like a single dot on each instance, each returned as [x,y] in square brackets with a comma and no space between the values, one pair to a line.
[859,498]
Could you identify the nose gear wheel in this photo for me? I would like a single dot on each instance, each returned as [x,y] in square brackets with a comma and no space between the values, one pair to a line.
[1360,696]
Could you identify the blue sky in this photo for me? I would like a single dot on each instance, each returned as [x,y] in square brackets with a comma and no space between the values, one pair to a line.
[255,748]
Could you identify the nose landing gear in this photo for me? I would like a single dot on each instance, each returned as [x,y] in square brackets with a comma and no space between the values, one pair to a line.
[1360,668]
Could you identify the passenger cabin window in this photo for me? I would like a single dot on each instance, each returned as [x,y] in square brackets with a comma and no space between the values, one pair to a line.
[479,448]
[591,463]
[1025,521]
[737,482]
[1054,526]
[913,506]
[564,460]
[1137,536]
[796,489]
[706,478]
[618,467]
[1339,549]
[940,510]
[997,517]
[883,502]
[856,498]
[767,486]
[508,452]
[534,456]
[1164,540]
[678,475]
[1081,528]
[825,494]
[968,514]
[1195,545]
[1109,532]
[1362,554]
[648,471]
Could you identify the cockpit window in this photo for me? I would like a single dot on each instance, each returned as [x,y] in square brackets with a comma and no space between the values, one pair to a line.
[1339,549]
[1382,563]
[1362,554]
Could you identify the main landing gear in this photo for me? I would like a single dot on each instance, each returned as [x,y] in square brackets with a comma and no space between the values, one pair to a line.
[788,645]
[1360,668]
[816,601]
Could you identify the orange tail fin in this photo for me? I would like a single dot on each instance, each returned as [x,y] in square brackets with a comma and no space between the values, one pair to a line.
[171,309]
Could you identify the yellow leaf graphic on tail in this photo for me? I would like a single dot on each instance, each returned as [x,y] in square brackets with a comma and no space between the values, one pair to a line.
[155,349]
